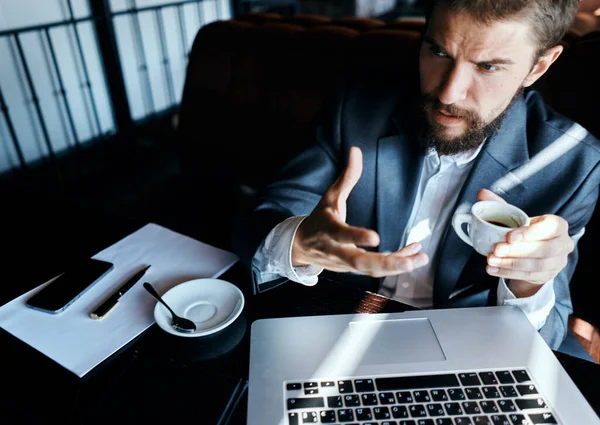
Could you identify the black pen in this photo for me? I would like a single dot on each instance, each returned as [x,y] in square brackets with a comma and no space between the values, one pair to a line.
[112,301]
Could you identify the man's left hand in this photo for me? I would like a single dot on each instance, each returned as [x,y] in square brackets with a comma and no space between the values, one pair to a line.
[533,254]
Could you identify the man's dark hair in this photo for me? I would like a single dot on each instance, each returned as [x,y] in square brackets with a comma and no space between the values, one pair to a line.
[549,19]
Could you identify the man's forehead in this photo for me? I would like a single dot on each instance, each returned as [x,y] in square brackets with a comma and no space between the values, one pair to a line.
[460,30]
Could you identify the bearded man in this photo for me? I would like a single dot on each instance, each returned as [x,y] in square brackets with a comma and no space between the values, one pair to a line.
[372,198]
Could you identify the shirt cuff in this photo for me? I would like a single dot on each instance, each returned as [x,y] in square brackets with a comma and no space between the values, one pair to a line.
[273,259]
[536,307]
[306,275]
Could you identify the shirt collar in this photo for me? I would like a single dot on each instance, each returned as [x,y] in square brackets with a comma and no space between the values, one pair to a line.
[459,159]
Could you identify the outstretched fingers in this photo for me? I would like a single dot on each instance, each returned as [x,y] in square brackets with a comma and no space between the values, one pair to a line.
[355,259]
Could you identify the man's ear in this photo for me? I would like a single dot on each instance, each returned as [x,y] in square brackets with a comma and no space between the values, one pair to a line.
[542,65]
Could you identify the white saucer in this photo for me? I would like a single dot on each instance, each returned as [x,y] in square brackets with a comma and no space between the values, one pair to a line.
[212,304]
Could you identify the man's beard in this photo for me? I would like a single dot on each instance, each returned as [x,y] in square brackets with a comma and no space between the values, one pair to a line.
[476,133]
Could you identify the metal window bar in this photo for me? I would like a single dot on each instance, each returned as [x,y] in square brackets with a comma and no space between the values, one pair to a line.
[133,11]
[182,32]
[85,83]
[11,131]
[61,87]
[165,56]
[200,14]
[55,86]
[34,97]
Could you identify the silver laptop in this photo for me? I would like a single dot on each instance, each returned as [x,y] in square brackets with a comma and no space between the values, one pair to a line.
[472,366]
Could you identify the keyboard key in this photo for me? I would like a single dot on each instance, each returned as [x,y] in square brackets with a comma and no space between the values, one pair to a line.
[542,418]
[363,414]
[527,389]
[364,385]
[425,422]
[531,403]
[471,407]
[482,420]
[435,409]
[304,403]
[500,420]
[517,419]
[491,392]
[417,411]
[521,376]
[345,415]
[328,384]
[311,391]
[311,385]
[507,406]
[404,397]
[488,406]
[388,423]
[334,401]
[294,386]
[453,409]
[309,417]
[505,377]
[345,387]
[369,399]
[488,378]
[421,396]
[416,382]
[399,412]
[327,416]
[438,395]
[469,379]
[352,400]
[293,418]
[409,422]
[443,421]
[387,398]
[473,393]
[456,394]
[381,413]
[462,421]
[508,391]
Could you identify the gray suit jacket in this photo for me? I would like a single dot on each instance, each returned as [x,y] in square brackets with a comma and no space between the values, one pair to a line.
[539,161]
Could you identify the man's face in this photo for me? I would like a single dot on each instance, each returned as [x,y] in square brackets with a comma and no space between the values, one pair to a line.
[470,73]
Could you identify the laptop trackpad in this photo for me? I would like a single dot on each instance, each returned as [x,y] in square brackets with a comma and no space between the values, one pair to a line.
[398,341]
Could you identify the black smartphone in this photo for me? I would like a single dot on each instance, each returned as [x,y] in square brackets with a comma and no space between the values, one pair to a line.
[69,286]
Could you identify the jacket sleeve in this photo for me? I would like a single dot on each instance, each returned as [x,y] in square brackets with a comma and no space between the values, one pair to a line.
[299,186]
[578,212]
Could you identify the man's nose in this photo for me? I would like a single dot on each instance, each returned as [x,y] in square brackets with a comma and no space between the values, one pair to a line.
[455,86]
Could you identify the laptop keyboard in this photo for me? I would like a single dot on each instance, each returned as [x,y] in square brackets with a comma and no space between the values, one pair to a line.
[506,397]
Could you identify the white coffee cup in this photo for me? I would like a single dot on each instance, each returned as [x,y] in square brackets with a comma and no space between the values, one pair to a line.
[488,223]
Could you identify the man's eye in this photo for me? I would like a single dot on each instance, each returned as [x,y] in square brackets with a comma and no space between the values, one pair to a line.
[437,51]
[488,68]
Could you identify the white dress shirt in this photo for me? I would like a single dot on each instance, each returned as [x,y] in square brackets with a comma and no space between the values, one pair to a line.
[439,186]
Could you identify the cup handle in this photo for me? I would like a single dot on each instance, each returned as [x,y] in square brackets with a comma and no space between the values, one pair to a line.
[457,222]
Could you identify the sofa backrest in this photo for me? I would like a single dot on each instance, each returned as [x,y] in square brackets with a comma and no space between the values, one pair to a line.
[255,86]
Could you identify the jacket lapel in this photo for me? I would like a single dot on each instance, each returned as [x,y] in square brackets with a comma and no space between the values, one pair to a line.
[503,152]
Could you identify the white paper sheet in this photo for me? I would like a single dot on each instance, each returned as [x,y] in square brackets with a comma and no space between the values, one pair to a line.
[79,343]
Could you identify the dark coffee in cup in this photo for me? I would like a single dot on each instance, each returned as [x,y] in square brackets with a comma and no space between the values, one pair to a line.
[501,224]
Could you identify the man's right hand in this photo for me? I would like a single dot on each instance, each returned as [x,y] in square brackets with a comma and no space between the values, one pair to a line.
[325,240]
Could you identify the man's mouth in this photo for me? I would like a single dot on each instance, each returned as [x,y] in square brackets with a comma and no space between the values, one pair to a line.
[445,118]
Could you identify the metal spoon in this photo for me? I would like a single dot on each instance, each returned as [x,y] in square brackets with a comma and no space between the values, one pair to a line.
[179,323]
